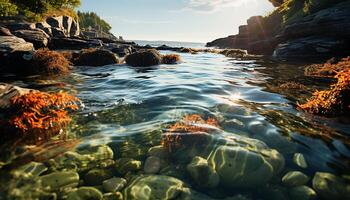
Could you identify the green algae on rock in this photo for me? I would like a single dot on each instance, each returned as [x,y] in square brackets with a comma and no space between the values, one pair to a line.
[59,180]
[203,174]
[85,193]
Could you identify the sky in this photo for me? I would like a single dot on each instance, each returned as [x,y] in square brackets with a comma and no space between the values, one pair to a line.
[176,20]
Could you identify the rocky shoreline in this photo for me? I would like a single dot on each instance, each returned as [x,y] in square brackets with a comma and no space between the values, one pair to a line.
[316,37]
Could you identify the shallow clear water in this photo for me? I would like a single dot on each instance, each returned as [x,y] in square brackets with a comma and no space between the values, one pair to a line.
[130,108]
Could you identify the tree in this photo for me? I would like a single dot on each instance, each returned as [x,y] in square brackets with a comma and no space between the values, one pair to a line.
[91,19]
[7,8]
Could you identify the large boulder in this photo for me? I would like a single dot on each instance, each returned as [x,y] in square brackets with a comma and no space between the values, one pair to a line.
[63,26]
[144,58]
[37,36]
[313,47]
[155,187]
[10,44]
[95,57]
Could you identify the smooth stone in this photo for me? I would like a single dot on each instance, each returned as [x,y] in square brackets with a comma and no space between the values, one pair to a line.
[239,167]
[113,196]
[295,178]
[158,151]
[33,168]
[58,180]
[329,186]
[299,160]
[302,193]
[152,165]
[125,165]
[97,176]
[114,184]
[9,44]
[257,127]
[85,193]
[204,175]
[154,187]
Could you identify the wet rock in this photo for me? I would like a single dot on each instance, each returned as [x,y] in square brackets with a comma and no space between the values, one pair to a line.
[125,165]
[97,176]
[114,184]
[7,92]
[95,57]
[144,58]
[5,32]
[113,196]
[73,43]
[10,44]
[85,193]
[36,36]
[154,187]
[302,193]
[152,165]
[295,178]
[89,158]
[59,180]
[45,27]
[158,151]
[329,186]
[299,160]
[171,59]
[33,169]
[203,174]
[239,167]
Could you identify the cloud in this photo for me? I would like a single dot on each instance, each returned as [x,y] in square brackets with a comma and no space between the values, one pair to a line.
[209,6]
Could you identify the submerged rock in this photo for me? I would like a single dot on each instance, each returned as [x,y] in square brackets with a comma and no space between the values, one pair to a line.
[125,165]
[144,58]
[329,186]
[299,160]
[203,174]
[114,184]
[152,165]
[295,178]
[302,193]
[154,187]
[85,193]
[97,176]
[59,180]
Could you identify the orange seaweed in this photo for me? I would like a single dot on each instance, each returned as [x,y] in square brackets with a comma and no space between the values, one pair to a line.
[190,127]
[329,69]
[334,101]
[41,111]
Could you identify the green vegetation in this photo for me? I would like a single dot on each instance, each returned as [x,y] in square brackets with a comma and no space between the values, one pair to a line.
[36,9]
[292,10]
[91,19]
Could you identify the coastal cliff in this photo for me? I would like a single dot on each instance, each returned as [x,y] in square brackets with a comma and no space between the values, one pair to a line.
[295,31]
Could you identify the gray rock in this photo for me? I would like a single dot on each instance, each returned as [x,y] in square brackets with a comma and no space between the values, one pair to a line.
[72,43]
[299,160]
[329,186]
[45,27]
[9,44]
[295,178]
[37,36]
[59,180]
[203,174]
[152,165]
[154,187]
[302,193]
[85,193]
[114,184]
[5,32]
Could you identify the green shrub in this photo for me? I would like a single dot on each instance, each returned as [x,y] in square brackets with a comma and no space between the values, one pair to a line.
[7,8]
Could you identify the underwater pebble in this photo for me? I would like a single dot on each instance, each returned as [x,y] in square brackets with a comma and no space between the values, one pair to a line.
[299,160]
[204,175]
[33,168]
[58,180]
[114,184]
[295,178]
[158,151]
[113,196]
[302,193]
[329,186]
[152,165]
[85,193]
[97,176]
[257,127]
[125,165]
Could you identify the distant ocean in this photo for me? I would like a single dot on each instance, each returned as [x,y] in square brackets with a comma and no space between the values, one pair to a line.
[170,43]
